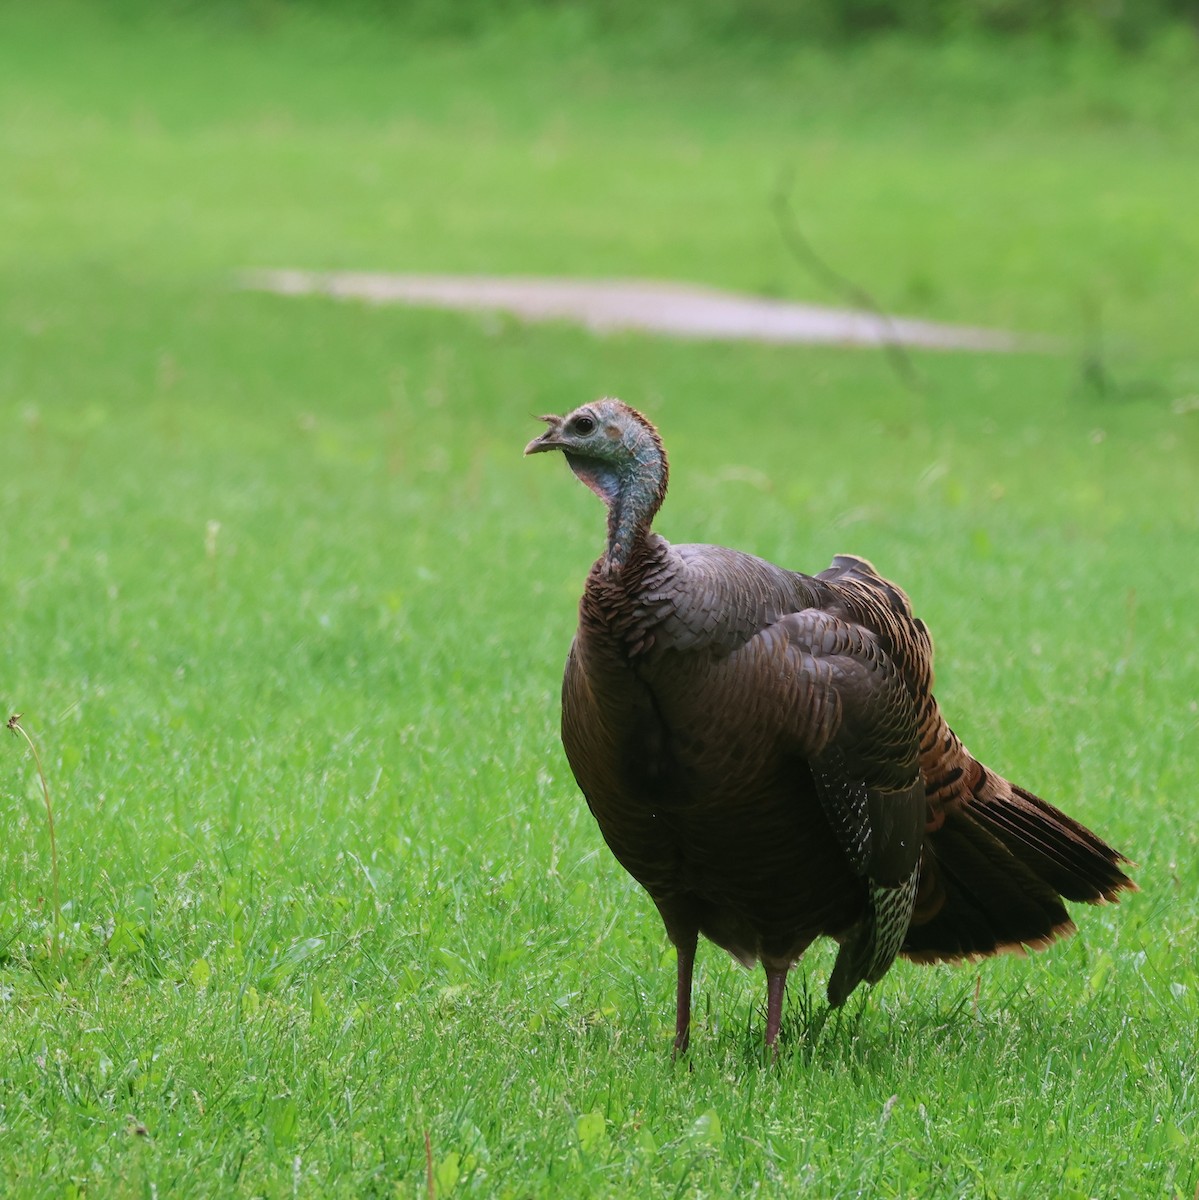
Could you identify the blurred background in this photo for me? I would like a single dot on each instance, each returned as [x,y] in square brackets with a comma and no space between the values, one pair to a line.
[285,609]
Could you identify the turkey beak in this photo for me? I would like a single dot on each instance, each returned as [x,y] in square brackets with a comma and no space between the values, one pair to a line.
[549,440]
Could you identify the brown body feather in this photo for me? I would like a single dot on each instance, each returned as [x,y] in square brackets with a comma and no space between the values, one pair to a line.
[763,753]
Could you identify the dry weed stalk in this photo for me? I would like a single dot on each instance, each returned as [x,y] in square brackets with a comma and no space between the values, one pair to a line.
[15,727]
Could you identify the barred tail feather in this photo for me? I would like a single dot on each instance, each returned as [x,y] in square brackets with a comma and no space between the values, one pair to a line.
[996,873]
[1067,855]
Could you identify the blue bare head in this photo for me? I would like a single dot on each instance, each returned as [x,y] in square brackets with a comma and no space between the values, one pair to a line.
[618,454]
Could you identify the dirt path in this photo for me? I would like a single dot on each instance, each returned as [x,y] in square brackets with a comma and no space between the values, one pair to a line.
[673,309]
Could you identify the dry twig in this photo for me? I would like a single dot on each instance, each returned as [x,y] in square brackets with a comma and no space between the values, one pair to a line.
[15,727]
[804,253]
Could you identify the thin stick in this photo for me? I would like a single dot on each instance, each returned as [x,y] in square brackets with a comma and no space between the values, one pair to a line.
[15,726]
[803,251]
[430,1186]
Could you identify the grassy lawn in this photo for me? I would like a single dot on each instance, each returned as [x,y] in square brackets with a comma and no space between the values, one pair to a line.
[285,610]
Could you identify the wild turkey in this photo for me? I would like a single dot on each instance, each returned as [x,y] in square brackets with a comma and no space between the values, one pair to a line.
[763,754]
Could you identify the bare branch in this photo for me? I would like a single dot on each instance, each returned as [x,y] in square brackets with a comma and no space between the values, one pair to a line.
[803,252]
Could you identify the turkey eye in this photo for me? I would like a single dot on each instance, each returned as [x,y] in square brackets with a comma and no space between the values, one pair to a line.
[584,425]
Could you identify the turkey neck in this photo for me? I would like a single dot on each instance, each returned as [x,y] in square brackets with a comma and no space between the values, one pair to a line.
[633,492]
[629,520]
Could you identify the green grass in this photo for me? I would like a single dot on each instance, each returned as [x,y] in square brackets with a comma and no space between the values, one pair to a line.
[285,610]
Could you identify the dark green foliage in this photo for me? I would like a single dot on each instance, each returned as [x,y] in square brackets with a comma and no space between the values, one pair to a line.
[713,25]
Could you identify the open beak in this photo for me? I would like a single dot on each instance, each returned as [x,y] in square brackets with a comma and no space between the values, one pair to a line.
[549,440]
